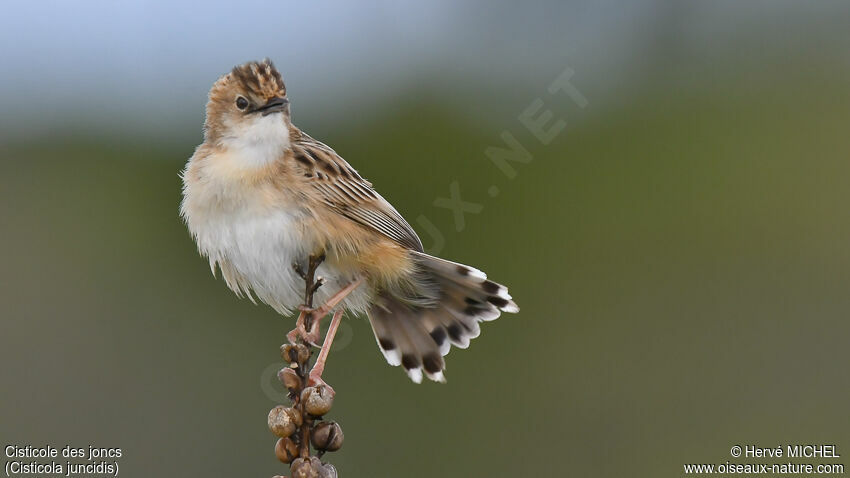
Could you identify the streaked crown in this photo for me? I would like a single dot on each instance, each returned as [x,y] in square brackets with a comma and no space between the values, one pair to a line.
[259,78]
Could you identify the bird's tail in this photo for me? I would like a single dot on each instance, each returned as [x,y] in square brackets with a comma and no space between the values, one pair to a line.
[417,335]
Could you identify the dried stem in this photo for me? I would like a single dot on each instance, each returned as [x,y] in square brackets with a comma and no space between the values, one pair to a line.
[301,425]
[311,284]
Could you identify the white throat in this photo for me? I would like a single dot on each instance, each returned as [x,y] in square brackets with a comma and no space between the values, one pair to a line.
[258,141]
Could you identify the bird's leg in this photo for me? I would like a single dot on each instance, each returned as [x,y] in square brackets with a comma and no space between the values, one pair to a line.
[300,330]
[316,315]
[337,298]
[315,377]
[313,335]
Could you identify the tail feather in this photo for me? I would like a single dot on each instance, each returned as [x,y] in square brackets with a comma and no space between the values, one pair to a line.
[404,340]
[418,336]
[471,281]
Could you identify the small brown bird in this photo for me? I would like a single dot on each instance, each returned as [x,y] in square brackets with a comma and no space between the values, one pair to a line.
[260,197]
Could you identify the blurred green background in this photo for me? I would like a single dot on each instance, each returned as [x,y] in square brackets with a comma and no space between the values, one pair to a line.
[681,251]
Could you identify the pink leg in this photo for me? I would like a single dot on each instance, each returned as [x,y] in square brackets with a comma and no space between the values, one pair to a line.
[337,298]
[318,314]
[299,329]
[312,337]
[315,378]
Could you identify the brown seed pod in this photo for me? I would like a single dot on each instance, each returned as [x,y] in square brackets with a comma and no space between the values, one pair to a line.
[305,467]
[286,450]
[286,352]
[290,379]
[302,354]
[328,471]
[327,436]
[317,401]
[296,354]
[295,416]
[282,421]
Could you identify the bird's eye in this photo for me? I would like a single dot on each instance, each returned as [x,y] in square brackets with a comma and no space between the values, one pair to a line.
[241,102]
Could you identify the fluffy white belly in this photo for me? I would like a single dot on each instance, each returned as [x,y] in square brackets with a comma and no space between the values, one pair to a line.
[256,251]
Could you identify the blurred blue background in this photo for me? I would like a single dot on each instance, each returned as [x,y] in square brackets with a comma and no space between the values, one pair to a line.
[680,251]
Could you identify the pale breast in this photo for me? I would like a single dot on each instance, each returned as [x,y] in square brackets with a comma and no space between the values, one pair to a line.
[255,242]
[261,250]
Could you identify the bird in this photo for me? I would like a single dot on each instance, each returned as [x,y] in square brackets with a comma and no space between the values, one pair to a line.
[264,201]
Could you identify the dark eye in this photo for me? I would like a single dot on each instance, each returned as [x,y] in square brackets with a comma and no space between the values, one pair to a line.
[241,102]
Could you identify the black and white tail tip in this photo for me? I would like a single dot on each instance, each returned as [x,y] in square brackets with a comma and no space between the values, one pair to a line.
[418,337]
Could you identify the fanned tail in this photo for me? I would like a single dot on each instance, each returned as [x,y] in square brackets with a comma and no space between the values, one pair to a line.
[417,336]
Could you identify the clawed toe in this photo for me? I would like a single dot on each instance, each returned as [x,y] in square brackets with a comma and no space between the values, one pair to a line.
[295,334]
[292,336]
[313,336]
[308,317]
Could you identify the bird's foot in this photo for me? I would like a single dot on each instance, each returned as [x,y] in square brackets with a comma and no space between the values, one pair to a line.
[314,335]
[309,317]
[300,330]
[295,334]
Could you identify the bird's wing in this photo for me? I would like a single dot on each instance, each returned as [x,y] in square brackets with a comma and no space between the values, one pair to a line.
[346,192]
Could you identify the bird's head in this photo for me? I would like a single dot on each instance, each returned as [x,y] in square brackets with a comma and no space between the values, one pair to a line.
[249,104]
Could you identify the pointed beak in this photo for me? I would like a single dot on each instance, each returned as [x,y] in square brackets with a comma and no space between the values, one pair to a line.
[274,105]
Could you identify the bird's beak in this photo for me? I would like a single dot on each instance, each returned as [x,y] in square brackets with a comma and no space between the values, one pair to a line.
[274,105]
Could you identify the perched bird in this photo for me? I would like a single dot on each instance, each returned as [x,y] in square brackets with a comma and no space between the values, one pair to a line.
[261,197]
